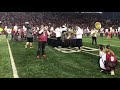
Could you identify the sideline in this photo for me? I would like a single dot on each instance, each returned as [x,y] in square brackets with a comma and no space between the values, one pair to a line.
[15,74]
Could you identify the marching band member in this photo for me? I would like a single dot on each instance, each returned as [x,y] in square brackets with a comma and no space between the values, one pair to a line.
[109,34]
[88,31]
[101,32]
[116,32]
[52,35]
[79,33]
[94,36]
[119,32]
[106,32]
[22,33]
[6,32]
[58,33]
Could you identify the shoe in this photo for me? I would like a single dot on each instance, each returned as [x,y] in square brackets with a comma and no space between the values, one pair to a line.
[25,46]
[112,72]
[38,57]
[101,70]
[44,56]
[31,47]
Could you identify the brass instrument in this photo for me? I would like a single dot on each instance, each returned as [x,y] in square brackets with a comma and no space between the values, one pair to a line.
[1,29]
[98,25]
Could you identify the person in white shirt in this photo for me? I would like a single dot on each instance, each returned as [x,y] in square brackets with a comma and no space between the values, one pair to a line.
[51,29]
[112,32]
[94,36]
[87,31]
[53,34]
[15,28]
[119,32]
[102,58]
[58,32]
[79,33]
[64,28]
[6,32]
[101,32]
[116,32]
[106,32]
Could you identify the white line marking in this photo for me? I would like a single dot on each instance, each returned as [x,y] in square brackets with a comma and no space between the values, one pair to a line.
[53,52]
[90,53]
[15,74]
[110,45]
[89,50]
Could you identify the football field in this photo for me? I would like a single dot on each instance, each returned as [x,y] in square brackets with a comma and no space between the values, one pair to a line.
[5,63]
[57,64]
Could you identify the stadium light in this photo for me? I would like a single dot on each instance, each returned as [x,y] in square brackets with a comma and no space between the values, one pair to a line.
[92,12]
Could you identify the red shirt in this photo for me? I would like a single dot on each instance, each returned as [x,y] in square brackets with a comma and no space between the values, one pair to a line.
[22,31]
[12,32]
[109,33]
[108,56]
[43,36]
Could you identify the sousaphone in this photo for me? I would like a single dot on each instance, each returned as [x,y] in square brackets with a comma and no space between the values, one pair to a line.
[98,25]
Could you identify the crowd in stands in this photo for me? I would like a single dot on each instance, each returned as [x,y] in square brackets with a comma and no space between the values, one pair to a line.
[56,20]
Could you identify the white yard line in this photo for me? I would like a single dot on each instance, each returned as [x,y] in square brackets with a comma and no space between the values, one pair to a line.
[53,52]
[15,74]
[110,45]
[90,53]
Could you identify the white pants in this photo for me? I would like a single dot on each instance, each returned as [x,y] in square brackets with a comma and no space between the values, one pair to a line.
[101,62]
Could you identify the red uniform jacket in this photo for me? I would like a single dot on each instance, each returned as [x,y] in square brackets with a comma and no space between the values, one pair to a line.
[43,36]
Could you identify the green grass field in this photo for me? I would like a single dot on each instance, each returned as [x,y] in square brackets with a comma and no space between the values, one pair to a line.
[57,64]
[61,65]
[5,64]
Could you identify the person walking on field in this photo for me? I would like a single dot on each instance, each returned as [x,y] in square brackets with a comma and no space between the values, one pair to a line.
[29,35]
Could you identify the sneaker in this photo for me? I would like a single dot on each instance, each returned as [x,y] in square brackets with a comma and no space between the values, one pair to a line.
[44,56]
[112,72]
[31,47]
[38,57]
[101,70]
[25,46]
